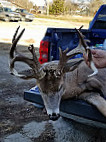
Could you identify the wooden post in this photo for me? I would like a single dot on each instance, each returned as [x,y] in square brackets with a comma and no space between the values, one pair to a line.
[47,7]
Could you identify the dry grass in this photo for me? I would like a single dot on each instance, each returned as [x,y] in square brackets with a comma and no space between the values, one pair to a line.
[71,18]
[35,30]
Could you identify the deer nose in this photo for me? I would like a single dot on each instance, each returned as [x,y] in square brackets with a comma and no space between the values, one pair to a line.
[54,116]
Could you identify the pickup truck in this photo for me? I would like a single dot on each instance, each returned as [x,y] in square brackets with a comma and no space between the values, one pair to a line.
[77,110]
[7,14]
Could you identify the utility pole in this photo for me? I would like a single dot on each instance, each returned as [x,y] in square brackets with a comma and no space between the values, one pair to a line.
[47,1]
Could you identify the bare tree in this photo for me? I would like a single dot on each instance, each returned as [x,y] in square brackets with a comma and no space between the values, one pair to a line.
[94,5]
[22,3]
[68,7]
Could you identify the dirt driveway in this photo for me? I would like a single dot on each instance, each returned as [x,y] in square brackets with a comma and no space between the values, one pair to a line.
[34,30]
[21,121]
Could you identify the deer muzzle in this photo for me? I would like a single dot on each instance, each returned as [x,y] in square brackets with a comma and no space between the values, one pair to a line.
[52,103]
[54,116]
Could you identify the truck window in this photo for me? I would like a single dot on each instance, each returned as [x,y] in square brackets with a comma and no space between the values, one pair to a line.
[24,11]
[1,9]
[7,9]
[18,10]
[102,14]
[101,20]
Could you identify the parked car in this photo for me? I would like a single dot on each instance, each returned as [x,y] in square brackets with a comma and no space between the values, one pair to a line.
[26,16]
[7,14]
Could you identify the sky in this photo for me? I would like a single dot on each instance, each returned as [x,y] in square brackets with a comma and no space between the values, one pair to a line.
[39,2]
[42,2]
[76,1]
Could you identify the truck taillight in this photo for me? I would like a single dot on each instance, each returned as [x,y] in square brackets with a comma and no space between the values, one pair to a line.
[43,51]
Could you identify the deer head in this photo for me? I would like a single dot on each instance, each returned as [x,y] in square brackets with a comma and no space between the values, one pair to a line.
[49,76]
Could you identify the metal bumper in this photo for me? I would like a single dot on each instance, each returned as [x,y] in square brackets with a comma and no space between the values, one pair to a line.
[14,18]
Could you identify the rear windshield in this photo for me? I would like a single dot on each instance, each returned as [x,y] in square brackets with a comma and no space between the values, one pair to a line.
[101,20]
[7,9]
[24,10]
[102,14]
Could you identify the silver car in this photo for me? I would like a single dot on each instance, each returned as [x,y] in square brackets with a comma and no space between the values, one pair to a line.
[26,16]
[7,14]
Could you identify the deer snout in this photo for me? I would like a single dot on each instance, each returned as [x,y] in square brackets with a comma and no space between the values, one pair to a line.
[54,116]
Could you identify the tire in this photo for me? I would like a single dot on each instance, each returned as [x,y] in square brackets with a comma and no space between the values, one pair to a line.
[22,19]
[7,19]
[30,20]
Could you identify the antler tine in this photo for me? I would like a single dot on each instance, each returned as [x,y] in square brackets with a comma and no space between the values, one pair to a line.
[83,42]
[80,27]
[37,66]
[88,52]
[76,50]
[21,59]
[35,59]
[15,41]
[32,62]
[38,71]
[64,57]
[14,36]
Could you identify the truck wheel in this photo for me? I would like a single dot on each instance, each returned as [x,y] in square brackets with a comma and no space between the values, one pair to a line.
[23,19]
[30,20]
[7,19]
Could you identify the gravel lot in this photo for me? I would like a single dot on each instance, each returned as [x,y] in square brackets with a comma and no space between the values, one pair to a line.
[34,30]
[20,121]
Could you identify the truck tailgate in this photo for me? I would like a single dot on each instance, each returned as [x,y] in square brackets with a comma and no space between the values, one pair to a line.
[78,110]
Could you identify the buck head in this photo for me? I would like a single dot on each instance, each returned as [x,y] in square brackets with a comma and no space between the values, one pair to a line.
[52,88]
[49,76]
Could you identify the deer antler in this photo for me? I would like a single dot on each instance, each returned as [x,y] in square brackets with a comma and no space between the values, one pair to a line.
[78,49]
[62,65]
[88,52]
[36,72]
[64,57]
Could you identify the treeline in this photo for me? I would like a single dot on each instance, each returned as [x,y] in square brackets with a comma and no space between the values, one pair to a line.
[58,7]
[67,7]
[26,4]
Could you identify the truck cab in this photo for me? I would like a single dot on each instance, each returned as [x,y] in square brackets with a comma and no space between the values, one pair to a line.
[99,20]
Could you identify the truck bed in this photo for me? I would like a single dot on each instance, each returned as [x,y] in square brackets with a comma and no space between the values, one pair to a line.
[68,38]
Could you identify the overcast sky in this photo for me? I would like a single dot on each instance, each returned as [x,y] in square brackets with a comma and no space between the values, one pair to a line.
[39,2]
[42,2]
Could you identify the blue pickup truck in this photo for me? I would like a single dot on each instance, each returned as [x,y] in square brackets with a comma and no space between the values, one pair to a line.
[77,110]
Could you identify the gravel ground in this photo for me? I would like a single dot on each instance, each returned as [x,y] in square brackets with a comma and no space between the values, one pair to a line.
[21,121]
